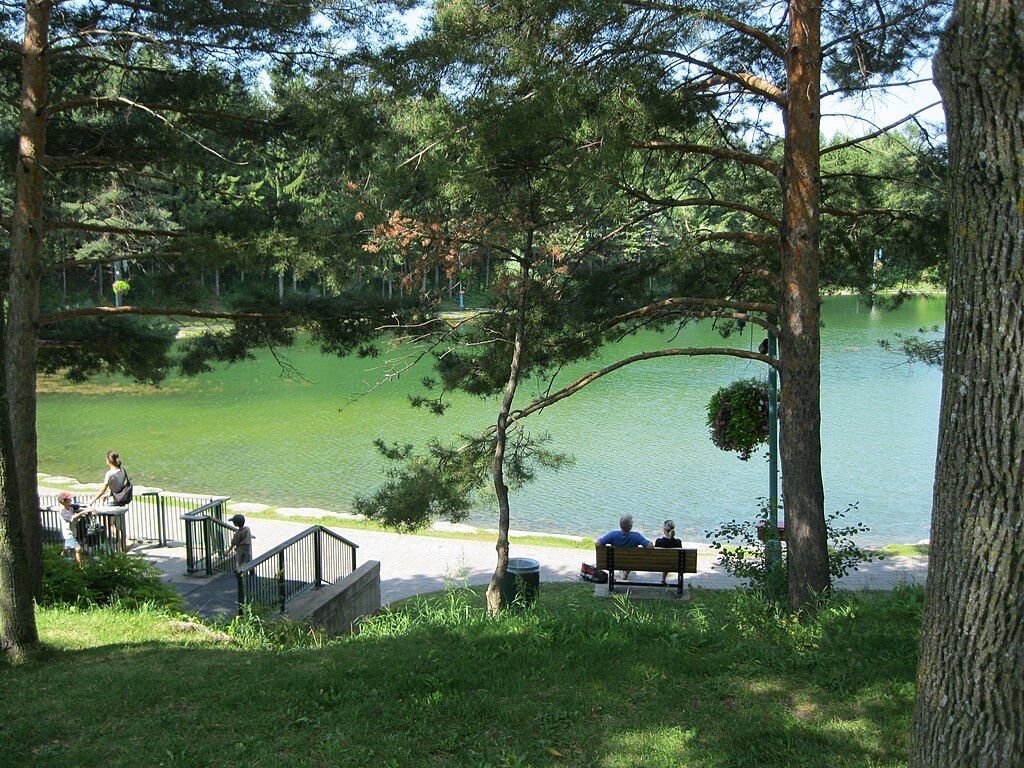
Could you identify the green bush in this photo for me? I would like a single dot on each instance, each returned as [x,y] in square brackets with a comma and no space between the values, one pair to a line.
[103,580]
[742,552]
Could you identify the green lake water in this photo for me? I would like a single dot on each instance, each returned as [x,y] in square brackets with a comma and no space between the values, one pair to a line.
[638,436]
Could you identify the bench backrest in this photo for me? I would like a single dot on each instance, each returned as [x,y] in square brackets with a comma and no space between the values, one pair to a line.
[652,559]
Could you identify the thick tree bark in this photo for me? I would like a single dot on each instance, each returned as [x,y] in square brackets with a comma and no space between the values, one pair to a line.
[970,705]
[25,274]
[800,320]
[18,637]
[494,601]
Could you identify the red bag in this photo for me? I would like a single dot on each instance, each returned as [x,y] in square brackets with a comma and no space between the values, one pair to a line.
[593,574]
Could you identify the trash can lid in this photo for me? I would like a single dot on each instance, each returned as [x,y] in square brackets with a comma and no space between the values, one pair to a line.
[523,565]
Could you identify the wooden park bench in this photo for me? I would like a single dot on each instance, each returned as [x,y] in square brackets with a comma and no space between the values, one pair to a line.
[650,560]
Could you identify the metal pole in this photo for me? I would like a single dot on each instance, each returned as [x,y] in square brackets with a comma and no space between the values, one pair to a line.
[318,569]
[281,593]
[773,549]
[161,524]
[206,545]
[190,564]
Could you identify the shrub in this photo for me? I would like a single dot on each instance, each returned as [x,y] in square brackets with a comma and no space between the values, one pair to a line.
[103,580]
[742,553]
[738,417]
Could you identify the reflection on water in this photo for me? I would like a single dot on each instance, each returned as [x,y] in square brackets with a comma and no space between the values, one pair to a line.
[638,435]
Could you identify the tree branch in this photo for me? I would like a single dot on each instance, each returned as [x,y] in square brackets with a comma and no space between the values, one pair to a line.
[106,229]
[747,158]
[153,110]
[892,213]
[593,376]
[208,314]
[873,87]
[688,301]
[117,102]
[736,237]
[689,202]
[760,35]
[764,274]
[750,82]
[702,314]
[879,132]
[110,260]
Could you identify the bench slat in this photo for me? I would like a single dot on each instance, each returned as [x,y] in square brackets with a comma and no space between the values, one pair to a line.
[648,560]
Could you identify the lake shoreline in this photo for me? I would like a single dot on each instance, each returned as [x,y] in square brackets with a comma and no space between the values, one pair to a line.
[440,529]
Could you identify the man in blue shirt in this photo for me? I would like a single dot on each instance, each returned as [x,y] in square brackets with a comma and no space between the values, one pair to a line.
[624,537]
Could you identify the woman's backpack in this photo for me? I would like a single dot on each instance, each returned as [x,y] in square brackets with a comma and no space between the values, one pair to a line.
[123,497]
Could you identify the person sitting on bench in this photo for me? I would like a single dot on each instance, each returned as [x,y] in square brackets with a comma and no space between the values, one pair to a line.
[668,541]
[624,537]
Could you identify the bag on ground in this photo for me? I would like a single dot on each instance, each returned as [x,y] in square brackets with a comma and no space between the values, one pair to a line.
[593,574]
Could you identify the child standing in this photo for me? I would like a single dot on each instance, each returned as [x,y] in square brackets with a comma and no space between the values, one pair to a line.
[70,514]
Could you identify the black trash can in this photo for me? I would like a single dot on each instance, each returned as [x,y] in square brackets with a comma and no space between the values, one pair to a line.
[521,583]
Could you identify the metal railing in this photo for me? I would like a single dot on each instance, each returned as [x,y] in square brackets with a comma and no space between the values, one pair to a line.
[207,539]
[100,532]
[309,560]
[158,517]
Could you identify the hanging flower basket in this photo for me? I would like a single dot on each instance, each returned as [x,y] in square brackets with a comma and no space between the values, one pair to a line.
[738,417]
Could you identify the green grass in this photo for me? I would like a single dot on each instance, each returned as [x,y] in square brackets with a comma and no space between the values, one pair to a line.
[718,682]
[904,550]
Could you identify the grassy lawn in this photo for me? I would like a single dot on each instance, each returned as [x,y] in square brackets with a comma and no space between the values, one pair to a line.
[719,681]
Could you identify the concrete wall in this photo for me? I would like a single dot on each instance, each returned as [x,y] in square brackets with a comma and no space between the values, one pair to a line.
[336,607]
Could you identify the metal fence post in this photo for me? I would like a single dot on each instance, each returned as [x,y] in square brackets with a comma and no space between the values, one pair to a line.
[353,559]
[190,560]
[161,525]
[241,592]
[206,544]
[318,568]
[281,592]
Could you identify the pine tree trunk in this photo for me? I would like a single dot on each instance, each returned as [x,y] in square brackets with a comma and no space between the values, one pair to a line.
[25,274]
[19,639]
[494,601]
[970,705]
[800,406]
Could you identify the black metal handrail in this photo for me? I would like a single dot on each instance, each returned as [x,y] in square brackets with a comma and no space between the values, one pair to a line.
[207,538]
[309,560]
[111,535]
[152,516]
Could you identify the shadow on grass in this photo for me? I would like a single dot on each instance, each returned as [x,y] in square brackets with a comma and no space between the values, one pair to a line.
[576,683]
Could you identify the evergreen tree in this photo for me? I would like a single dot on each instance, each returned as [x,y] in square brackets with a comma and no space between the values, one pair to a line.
[125,92]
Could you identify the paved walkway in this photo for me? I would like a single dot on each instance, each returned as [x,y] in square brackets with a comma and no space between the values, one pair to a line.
[412,565]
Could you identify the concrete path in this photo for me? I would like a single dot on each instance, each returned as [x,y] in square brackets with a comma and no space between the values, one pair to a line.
[412,565]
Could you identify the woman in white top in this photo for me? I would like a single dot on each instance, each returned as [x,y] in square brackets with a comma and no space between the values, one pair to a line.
[114,481]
